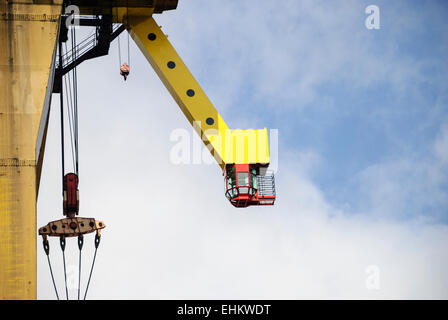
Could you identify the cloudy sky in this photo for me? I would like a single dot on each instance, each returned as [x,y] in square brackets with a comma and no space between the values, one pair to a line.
[362,180]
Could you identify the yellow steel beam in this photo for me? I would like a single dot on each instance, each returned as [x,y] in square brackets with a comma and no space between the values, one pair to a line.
[28,33]
[95,7]
[121,9]
[227,146]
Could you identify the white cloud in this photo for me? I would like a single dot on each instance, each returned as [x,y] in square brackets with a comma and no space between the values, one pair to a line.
[171,233]
[405,186]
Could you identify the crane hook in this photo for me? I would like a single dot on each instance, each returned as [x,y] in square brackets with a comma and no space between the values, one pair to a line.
[124,70]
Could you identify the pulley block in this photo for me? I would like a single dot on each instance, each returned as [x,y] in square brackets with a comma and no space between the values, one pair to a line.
[71,227]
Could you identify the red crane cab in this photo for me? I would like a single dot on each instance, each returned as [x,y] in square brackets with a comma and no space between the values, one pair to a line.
[71,195]
[245,186]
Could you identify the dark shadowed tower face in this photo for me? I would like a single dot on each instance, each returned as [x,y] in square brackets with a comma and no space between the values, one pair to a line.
[105,6]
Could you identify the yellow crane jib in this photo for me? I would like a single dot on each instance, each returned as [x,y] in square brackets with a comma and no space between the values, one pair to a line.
[240,153]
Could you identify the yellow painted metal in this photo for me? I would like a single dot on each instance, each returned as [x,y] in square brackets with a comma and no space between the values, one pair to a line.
[246,146]
[227,146]
[121,9]
[133,7]
[121,14]
[28,33]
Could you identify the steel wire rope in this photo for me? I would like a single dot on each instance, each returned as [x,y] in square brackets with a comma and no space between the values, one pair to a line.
[97,243]
[47,252]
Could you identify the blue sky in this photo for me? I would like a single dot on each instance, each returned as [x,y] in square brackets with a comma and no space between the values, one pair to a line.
[363,156]
[356,97]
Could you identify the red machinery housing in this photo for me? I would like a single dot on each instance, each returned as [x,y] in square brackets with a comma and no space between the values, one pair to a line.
[71,195]
[245,186]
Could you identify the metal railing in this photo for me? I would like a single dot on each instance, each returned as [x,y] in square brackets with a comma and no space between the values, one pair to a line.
[81,48]
[266,184]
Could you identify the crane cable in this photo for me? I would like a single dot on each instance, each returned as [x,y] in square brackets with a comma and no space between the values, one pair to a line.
[80,244]
[46,246]
[97,243]
[62,243]
[120,61]
[119,51]
[127,22]
[69,101]
[74,135]
[72,109]
[47,252]
[75,101]
[72,105]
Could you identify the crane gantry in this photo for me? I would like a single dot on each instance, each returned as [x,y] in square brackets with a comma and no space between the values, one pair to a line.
[32,68]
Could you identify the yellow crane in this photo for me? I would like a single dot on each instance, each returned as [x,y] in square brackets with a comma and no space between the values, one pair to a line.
[31,33]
